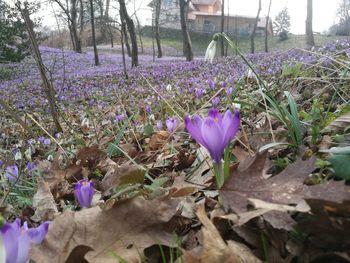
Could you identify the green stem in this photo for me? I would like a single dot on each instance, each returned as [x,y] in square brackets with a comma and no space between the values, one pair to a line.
[219,174]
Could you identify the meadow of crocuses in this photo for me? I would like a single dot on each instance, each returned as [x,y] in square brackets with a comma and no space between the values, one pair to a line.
[97,102]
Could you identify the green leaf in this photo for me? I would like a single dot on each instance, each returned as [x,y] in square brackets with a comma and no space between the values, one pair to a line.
[292,71]
[148,130]
[341,165]
[272,145]
[337,150]
[112,150]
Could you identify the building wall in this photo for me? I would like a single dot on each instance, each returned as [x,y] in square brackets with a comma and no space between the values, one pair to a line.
[210,24]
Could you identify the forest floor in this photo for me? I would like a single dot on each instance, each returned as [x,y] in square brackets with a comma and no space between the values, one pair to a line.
[285,197]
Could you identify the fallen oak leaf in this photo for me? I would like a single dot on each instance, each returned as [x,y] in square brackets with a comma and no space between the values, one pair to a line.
[338,124]
[124,174]
[43,203]
[214,247]
[125,229]
[247,182]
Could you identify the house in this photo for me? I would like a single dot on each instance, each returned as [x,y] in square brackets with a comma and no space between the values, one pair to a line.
[204,16]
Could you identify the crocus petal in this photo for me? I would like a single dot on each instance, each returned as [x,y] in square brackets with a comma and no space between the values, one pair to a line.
[194,127]
[230,125]
[10,239]
[87,194]
[212,135]
[215,114]
[16,226]
[23,247]
[84,192]
[38,234]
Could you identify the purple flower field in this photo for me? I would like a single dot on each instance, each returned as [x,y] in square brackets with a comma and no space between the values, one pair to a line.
[248,142]
[77,80]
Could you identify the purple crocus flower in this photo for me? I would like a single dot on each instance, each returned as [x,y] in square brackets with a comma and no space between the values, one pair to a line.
[148,109]
[84,191]
[229,91]
[1,163]
[11,172]
[171,124]
[47,141]
[214,132]
[215,101]
[199,93]
[30,168]
[119,117]
[159,125]
[211,83]
[17,239]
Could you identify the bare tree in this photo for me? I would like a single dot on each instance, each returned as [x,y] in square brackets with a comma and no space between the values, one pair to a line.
[222,26]
[252,36]
[139,32]
[92,18]
[187,44]
[131,28]
[72,20]
[156,21]
[47,87]
[309,32]
[266,27]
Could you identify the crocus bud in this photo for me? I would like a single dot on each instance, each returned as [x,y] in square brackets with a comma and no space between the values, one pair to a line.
[215,101]
[84,191]
[159,125]
[11,172]
[171,124]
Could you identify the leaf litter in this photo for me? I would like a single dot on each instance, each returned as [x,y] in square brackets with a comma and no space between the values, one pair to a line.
[155,195]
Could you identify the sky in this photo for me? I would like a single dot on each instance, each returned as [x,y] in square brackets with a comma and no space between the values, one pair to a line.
[324,12]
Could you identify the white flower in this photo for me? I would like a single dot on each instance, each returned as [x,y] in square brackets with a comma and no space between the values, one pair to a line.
[210,52]
[18,156]
[236,106]
[169,87]
[85,123]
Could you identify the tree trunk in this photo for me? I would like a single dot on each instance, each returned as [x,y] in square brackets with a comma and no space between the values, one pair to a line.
[309,33]
[139,31]
[252,37]
[123,56]
[47,87]
[158,5]
[74,17]
[81,12]
[131,29]
[126,38]
[92,17]
[110,32]
[266,27]
[222,27]
[72,23]
[187,45]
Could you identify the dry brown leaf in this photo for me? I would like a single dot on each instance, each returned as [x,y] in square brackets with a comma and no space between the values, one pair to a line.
[247,182]
[338,124]
[43,203]
[158,140]
[90,156]
[126,229]
[215,250]
[125,174]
